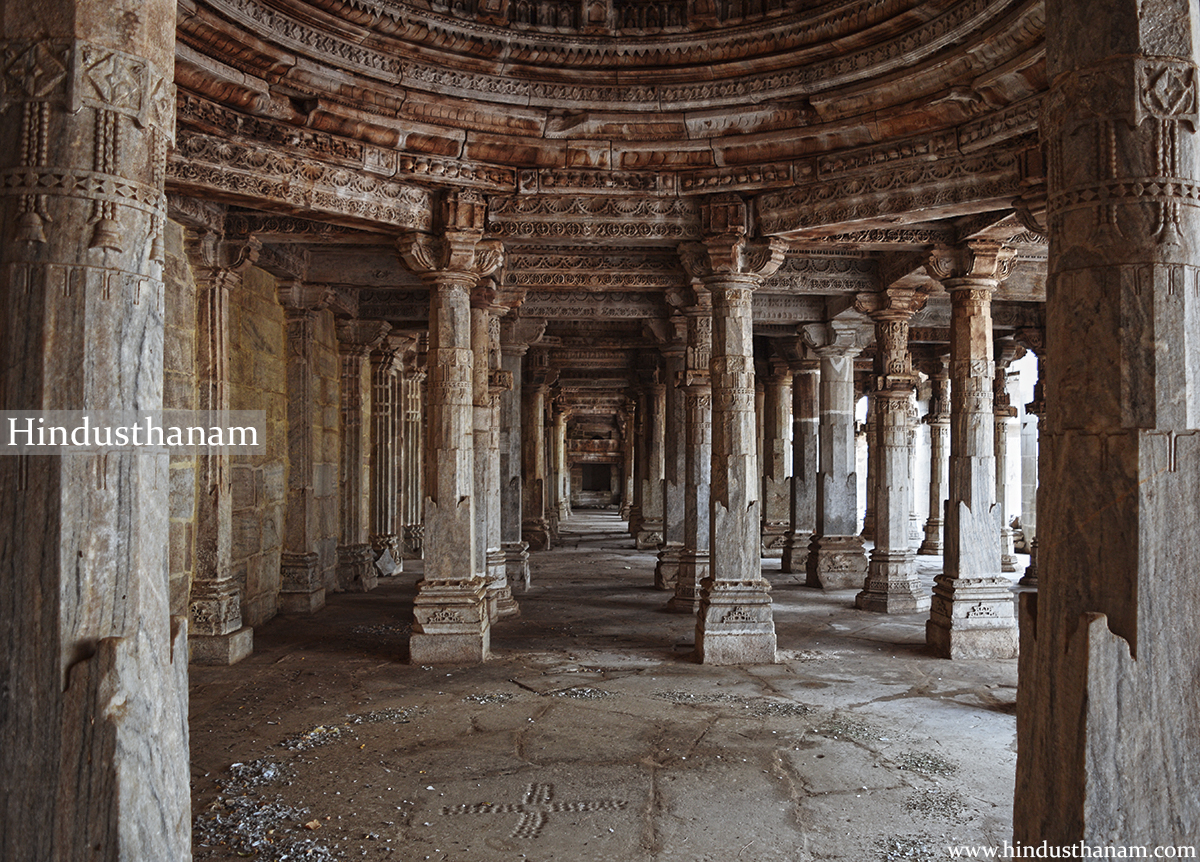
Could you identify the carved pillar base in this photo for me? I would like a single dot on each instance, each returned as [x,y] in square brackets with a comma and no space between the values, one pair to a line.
[623,512]
[734,623]
[535,533]
[301,591]
[1008,563]
[693,569]
[932,544]
[892,586]
[552,528]
[500,597]
[836,562]
[414,540]
[649,534]
[972,618]
[666,571]
[1030,578]
[388,558]
[451,623]
[221,650]
[516,561]
[795,551]
[356,568]
[774,539]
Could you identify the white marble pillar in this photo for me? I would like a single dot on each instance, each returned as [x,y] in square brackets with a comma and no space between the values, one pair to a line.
[803,514]
[938,420]
[734,623]
[891,584]
[972,615]
[836,557]
[777,458]
[451,618]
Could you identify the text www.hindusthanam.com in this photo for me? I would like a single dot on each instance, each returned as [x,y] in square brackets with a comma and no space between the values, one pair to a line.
[61,431]
[1045,850]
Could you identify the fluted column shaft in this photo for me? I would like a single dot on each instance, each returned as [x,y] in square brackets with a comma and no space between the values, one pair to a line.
[412,389]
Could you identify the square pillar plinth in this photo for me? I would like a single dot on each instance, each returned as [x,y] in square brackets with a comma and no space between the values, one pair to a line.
[836,562]
[891,586]
[451,623]
[972,618]
[221,650]
[301,592]
[734,623]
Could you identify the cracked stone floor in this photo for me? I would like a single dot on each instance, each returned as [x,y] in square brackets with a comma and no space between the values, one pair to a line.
[593,735]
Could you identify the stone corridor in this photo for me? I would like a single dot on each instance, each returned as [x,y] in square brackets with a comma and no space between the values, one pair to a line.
[594,735]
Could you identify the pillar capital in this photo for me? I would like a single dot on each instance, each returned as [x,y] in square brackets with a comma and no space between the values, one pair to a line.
[979,264]
[892,303]
[517,334]
[837,338]
[300,297]
[360,337]
[731,258]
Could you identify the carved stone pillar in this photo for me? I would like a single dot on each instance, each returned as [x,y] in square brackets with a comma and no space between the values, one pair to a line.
[356,562]
[803,515]
[515,338]
[558,472]
[628,442]
[1006,350]
[637,472]
[915,533]
[216,635]
[387,436]
[891,585]
[697,432]
[650,532]
[869,431]
[1106,716]
[302,587]
[938,420]
[535,527]
[93,731]
[1035,340]
[734,624]
[836,557]
[972,613]
[666,571]
[412,390]
[777,460]
[488,380]
[451,616]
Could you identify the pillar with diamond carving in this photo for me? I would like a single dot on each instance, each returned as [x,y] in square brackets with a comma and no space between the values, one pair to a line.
[734,624]
[216,634]
[356,562]
[972,612]
[938,420]
[451,620]
[93,731]
[515,337]
[803,514]
[1107,725]
[891,584]
[697,393]
[837,559]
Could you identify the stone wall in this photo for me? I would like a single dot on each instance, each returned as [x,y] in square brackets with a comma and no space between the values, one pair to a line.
[179,393]
[259,480]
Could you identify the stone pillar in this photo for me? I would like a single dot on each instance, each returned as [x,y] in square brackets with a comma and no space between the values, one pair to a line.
[628,440]
[637,472]
[694,380]
[869,429]
[666,571]
[972,614]
[93,730]
[1035,340]
[734,624]
[451,618]
[938,420]
[803,514]
[216,635]
[356,562]
[777,460]
[1006,350]
[891,585]
[836,557]
[650,532]
[535,527]
[559,471]
[1107,725]
[488,381]
[302,589]
[412,389]
[515,337]
[387,421]
[915,532]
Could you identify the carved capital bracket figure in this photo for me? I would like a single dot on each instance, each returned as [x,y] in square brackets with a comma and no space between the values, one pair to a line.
[734,622]
[836,556]
[891,585]
[972,611]
[452,617]
[1108,661]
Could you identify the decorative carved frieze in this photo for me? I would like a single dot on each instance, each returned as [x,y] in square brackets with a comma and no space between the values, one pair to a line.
[588,217]
[583,304]
[824,274]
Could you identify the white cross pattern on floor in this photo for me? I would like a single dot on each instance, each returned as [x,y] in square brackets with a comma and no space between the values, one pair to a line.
[537,805]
